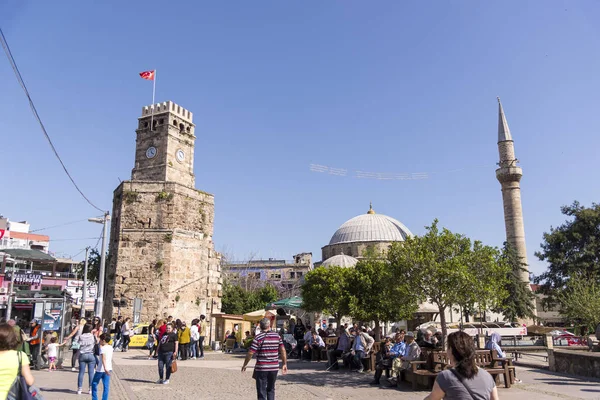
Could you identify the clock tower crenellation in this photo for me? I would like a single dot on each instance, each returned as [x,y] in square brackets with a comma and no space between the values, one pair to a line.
[165,145]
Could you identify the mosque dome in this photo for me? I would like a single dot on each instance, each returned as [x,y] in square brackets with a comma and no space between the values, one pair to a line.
[340,260]
[370,227]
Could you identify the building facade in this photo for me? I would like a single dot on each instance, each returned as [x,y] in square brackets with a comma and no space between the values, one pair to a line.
[285,275]
[15,235]
[161,248]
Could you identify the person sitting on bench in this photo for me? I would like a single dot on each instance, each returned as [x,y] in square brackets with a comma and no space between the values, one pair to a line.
[343,346]
[383,360]
[412,353]
[314,345]
[494,344]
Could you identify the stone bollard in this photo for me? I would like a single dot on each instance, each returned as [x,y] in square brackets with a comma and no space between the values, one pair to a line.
[480,341]
[549,342]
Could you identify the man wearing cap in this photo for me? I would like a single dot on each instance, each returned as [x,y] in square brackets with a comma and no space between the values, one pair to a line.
[34,341]
[412,353]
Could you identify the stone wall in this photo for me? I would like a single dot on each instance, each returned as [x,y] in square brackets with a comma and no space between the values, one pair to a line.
[161,250]
[355,249]
[573,362]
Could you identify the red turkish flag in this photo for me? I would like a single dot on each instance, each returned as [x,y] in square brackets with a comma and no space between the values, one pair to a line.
[148,75]
[1,233]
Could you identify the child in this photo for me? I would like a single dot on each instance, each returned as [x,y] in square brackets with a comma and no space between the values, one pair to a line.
[103,368]
[52,353]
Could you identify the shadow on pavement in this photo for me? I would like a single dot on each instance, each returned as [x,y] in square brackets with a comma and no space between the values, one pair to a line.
[138,380]
[340,378]
[55,390]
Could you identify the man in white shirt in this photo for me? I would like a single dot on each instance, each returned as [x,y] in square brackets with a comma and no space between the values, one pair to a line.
[103,368]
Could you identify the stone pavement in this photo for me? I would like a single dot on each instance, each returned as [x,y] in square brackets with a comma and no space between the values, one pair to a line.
[218,377]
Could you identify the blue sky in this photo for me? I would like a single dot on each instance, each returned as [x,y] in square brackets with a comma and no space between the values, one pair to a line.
[386,86]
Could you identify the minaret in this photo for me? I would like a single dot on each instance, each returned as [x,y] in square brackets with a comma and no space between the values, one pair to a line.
[509,175]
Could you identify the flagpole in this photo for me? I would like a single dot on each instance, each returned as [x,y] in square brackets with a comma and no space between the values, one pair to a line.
[153,92]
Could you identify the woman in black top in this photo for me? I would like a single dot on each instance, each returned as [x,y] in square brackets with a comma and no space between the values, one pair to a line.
[167,352]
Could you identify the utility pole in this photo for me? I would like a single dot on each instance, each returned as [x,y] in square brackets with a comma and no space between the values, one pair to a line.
[101,272]
[84,293]
[10,292]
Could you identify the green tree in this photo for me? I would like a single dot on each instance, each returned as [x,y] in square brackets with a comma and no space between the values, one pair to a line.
[237,300]
[93,266]
[327,290]
[233,300]
[570,249]
[580,300]
[377,295]
[520,302]
[445,269]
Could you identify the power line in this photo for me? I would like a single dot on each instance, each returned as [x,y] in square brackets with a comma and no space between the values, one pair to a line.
[58,226]
[13,64]
[70,239]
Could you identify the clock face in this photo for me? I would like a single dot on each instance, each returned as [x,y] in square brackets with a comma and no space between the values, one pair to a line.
[180,155]
[151,152]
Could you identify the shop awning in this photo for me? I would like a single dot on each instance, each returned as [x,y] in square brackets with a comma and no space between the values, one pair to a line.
[258,315]
[290,302]
[28,255]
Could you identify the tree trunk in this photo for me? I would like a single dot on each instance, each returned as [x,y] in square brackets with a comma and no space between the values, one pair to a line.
[338,321]
[443,323]
[377,336]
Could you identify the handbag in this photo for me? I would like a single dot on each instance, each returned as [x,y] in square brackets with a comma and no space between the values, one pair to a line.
[20,390]
[75,345]
[457,375]
[174,366]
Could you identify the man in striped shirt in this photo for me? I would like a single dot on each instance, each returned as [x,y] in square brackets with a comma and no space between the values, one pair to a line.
[267,345]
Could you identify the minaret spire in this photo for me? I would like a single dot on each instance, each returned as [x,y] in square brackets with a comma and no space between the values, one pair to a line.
[503,130]
[509,175]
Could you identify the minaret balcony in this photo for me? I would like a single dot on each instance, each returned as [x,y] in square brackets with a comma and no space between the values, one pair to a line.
[509,174]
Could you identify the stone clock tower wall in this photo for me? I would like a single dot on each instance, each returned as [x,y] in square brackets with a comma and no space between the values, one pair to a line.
[161,247]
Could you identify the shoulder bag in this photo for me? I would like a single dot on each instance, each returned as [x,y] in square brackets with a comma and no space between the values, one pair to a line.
[460,379]
[174,366]
[20,390]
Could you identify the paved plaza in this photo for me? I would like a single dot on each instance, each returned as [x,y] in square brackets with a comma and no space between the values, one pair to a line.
[218,377]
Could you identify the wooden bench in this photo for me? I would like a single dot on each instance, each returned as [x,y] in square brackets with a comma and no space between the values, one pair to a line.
[427,368]
[495,366]
[330,343]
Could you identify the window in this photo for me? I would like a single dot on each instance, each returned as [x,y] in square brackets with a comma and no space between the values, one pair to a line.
[292,275]
[48,287]
[275,276]
[254,275]
[299,274]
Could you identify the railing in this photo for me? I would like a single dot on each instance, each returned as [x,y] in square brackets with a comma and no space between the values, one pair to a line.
[519,341]
[563,341]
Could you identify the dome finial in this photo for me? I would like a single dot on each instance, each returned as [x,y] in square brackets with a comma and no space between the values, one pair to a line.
[371,211]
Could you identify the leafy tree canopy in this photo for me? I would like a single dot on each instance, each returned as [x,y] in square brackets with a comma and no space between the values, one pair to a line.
[447,270]
[572,248]
[93,267]
[580,300]
[378,295]
[520,302]
[237,300]
[327,289]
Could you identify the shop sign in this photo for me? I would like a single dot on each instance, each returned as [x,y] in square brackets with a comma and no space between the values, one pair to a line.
[25,279]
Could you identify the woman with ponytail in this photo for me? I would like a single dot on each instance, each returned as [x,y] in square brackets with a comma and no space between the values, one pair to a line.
[465,381]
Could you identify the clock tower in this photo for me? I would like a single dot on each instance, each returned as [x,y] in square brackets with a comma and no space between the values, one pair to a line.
[161,253]
[165,145]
